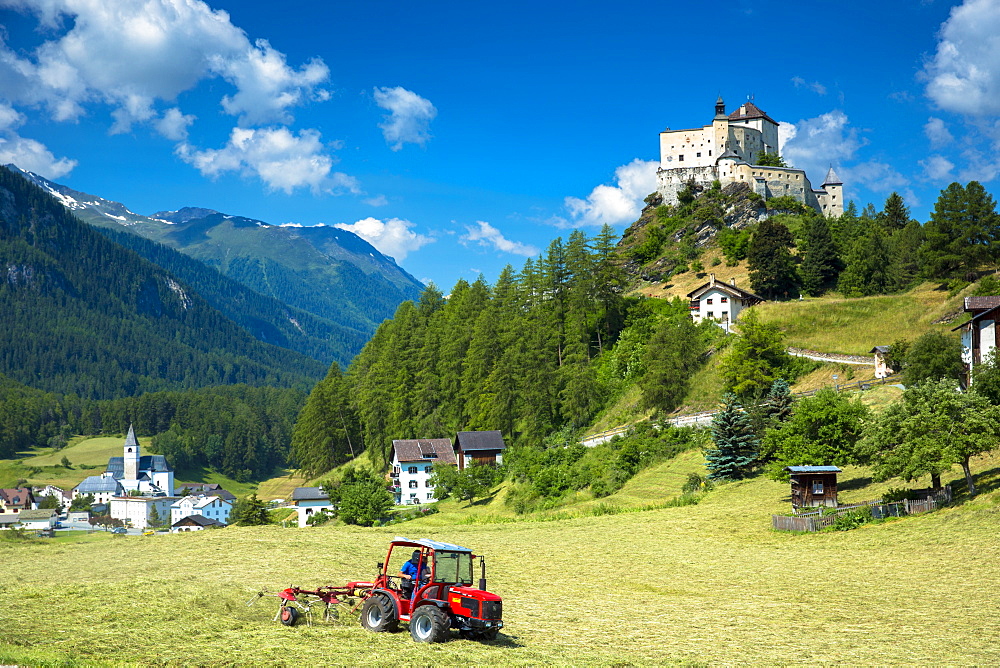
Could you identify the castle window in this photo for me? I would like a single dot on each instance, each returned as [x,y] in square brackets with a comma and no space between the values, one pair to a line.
[680,158]
[710,153]
[698,155]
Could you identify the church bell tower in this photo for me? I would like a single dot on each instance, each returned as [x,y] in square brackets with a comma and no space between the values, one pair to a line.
[131,459]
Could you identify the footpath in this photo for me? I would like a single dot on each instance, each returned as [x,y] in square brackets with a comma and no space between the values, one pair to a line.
[704,418]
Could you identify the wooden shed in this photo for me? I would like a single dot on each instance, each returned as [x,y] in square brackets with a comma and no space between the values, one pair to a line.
[813,486]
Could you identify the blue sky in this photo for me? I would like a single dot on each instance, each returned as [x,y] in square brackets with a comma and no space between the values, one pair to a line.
[461,137]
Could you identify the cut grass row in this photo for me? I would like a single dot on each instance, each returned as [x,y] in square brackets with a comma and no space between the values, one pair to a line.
[701,584]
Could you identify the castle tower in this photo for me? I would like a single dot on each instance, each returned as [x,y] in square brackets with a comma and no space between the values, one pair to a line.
[131,458]
[720,128]
[833,201]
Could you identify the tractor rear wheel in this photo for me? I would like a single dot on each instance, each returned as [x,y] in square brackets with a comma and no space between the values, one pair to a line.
[429,624]
[289,615]
[377,614]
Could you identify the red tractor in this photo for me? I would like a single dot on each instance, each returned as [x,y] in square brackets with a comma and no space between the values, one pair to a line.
[439,596]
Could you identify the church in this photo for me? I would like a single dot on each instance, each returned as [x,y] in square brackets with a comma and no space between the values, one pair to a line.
[141,474]
[728,150]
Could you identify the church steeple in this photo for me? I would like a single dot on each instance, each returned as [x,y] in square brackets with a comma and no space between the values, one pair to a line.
[131,456]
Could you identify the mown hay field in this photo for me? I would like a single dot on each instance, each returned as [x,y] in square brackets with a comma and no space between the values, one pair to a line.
[704,584]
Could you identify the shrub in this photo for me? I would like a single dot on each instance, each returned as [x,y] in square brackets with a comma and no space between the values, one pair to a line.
[852,519]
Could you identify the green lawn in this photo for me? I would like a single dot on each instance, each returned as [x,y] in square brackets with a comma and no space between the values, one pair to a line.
[705,584]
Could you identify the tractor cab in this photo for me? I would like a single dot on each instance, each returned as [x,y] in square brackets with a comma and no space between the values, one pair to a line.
[430,585]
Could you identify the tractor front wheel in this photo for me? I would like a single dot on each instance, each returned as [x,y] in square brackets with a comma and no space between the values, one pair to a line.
[429,624]
[289,615]
[377,614]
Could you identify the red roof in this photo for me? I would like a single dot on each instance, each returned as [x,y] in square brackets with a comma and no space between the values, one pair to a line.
[748,111]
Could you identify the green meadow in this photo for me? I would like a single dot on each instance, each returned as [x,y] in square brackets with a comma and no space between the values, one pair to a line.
[705,584]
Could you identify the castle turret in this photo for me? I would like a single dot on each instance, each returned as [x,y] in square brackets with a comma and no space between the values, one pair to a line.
[131,456]
[833,201]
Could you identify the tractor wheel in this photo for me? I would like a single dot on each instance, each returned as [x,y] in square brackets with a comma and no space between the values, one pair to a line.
[289,615]
[429,624]
[377,615]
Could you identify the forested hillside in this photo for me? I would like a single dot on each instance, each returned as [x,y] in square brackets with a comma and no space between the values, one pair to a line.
[241,431]
[266,318]
[83,315]
[345,284]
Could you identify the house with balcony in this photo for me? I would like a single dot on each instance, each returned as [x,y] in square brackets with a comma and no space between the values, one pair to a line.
[413,463]
[720,301]
[979,333]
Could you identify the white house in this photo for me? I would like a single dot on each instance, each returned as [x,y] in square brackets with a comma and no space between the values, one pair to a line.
[64,497]
[211,507]
[102,487]
[412,464]
[720,301]
[308,501]
[882,368]
[135,511]
[980,334]
[38,519]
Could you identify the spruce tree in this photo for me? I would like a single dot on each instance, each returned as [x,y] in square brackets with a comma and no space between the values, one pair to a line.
[895,215]
[769,258]
[820,264]
[734,454]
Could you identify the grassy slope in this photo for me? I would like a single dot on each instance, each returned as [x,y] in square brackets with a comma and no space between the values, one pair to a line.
[700,584]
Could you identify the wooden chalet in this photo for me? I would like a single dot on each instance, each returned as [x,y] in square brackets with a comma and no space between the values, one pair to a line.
[480,447]
[813,486]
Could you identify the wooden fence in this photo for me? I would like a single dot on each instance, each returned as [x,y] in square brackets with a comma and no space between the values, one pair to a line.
[816,520]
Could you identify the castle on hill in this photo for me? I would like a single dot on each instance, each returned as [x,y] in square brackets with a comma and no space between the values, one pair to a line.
[726,151]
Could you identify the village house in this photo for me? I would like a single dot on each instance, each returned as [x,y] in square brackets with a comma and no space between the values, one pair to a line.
[136,511]
[720,301]
[102,487]
[204,488]
[308,501]
[979,333]
[211,507]
[38,520]
[813,486]
[62,496]
[15,499]
[194,523]
[479,447]
[412,465]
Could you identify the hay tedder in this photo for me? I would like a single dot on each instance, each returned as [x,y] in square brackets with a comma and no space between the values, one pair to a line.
[437,598]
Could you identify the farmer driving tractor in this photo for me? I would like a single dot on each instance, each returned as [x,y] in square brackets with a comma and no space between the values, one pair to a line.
[409,571]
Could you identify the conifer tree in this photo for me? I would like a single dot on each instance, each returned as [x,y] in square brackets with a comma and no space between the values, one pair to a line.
[769,258]
[820,264]
[868,270]
[895,215]
[326,432]
[734,454]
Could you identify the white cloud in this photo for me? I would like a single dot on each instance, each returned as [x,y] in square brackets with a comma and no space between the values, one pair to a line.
[173,124]
[617,204]
[937,132]
[875,176]
[937,168]
[28,154]
[484,234]
[133,54]
[409,117]
[283,160]
[376,201]
[394,237]
[814,144]
[964,75]
[266,86]
[815,86]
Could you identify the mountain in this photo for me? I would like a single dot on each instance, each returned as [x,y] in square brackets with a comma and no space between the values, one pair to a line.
[84,315]
[331,273]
